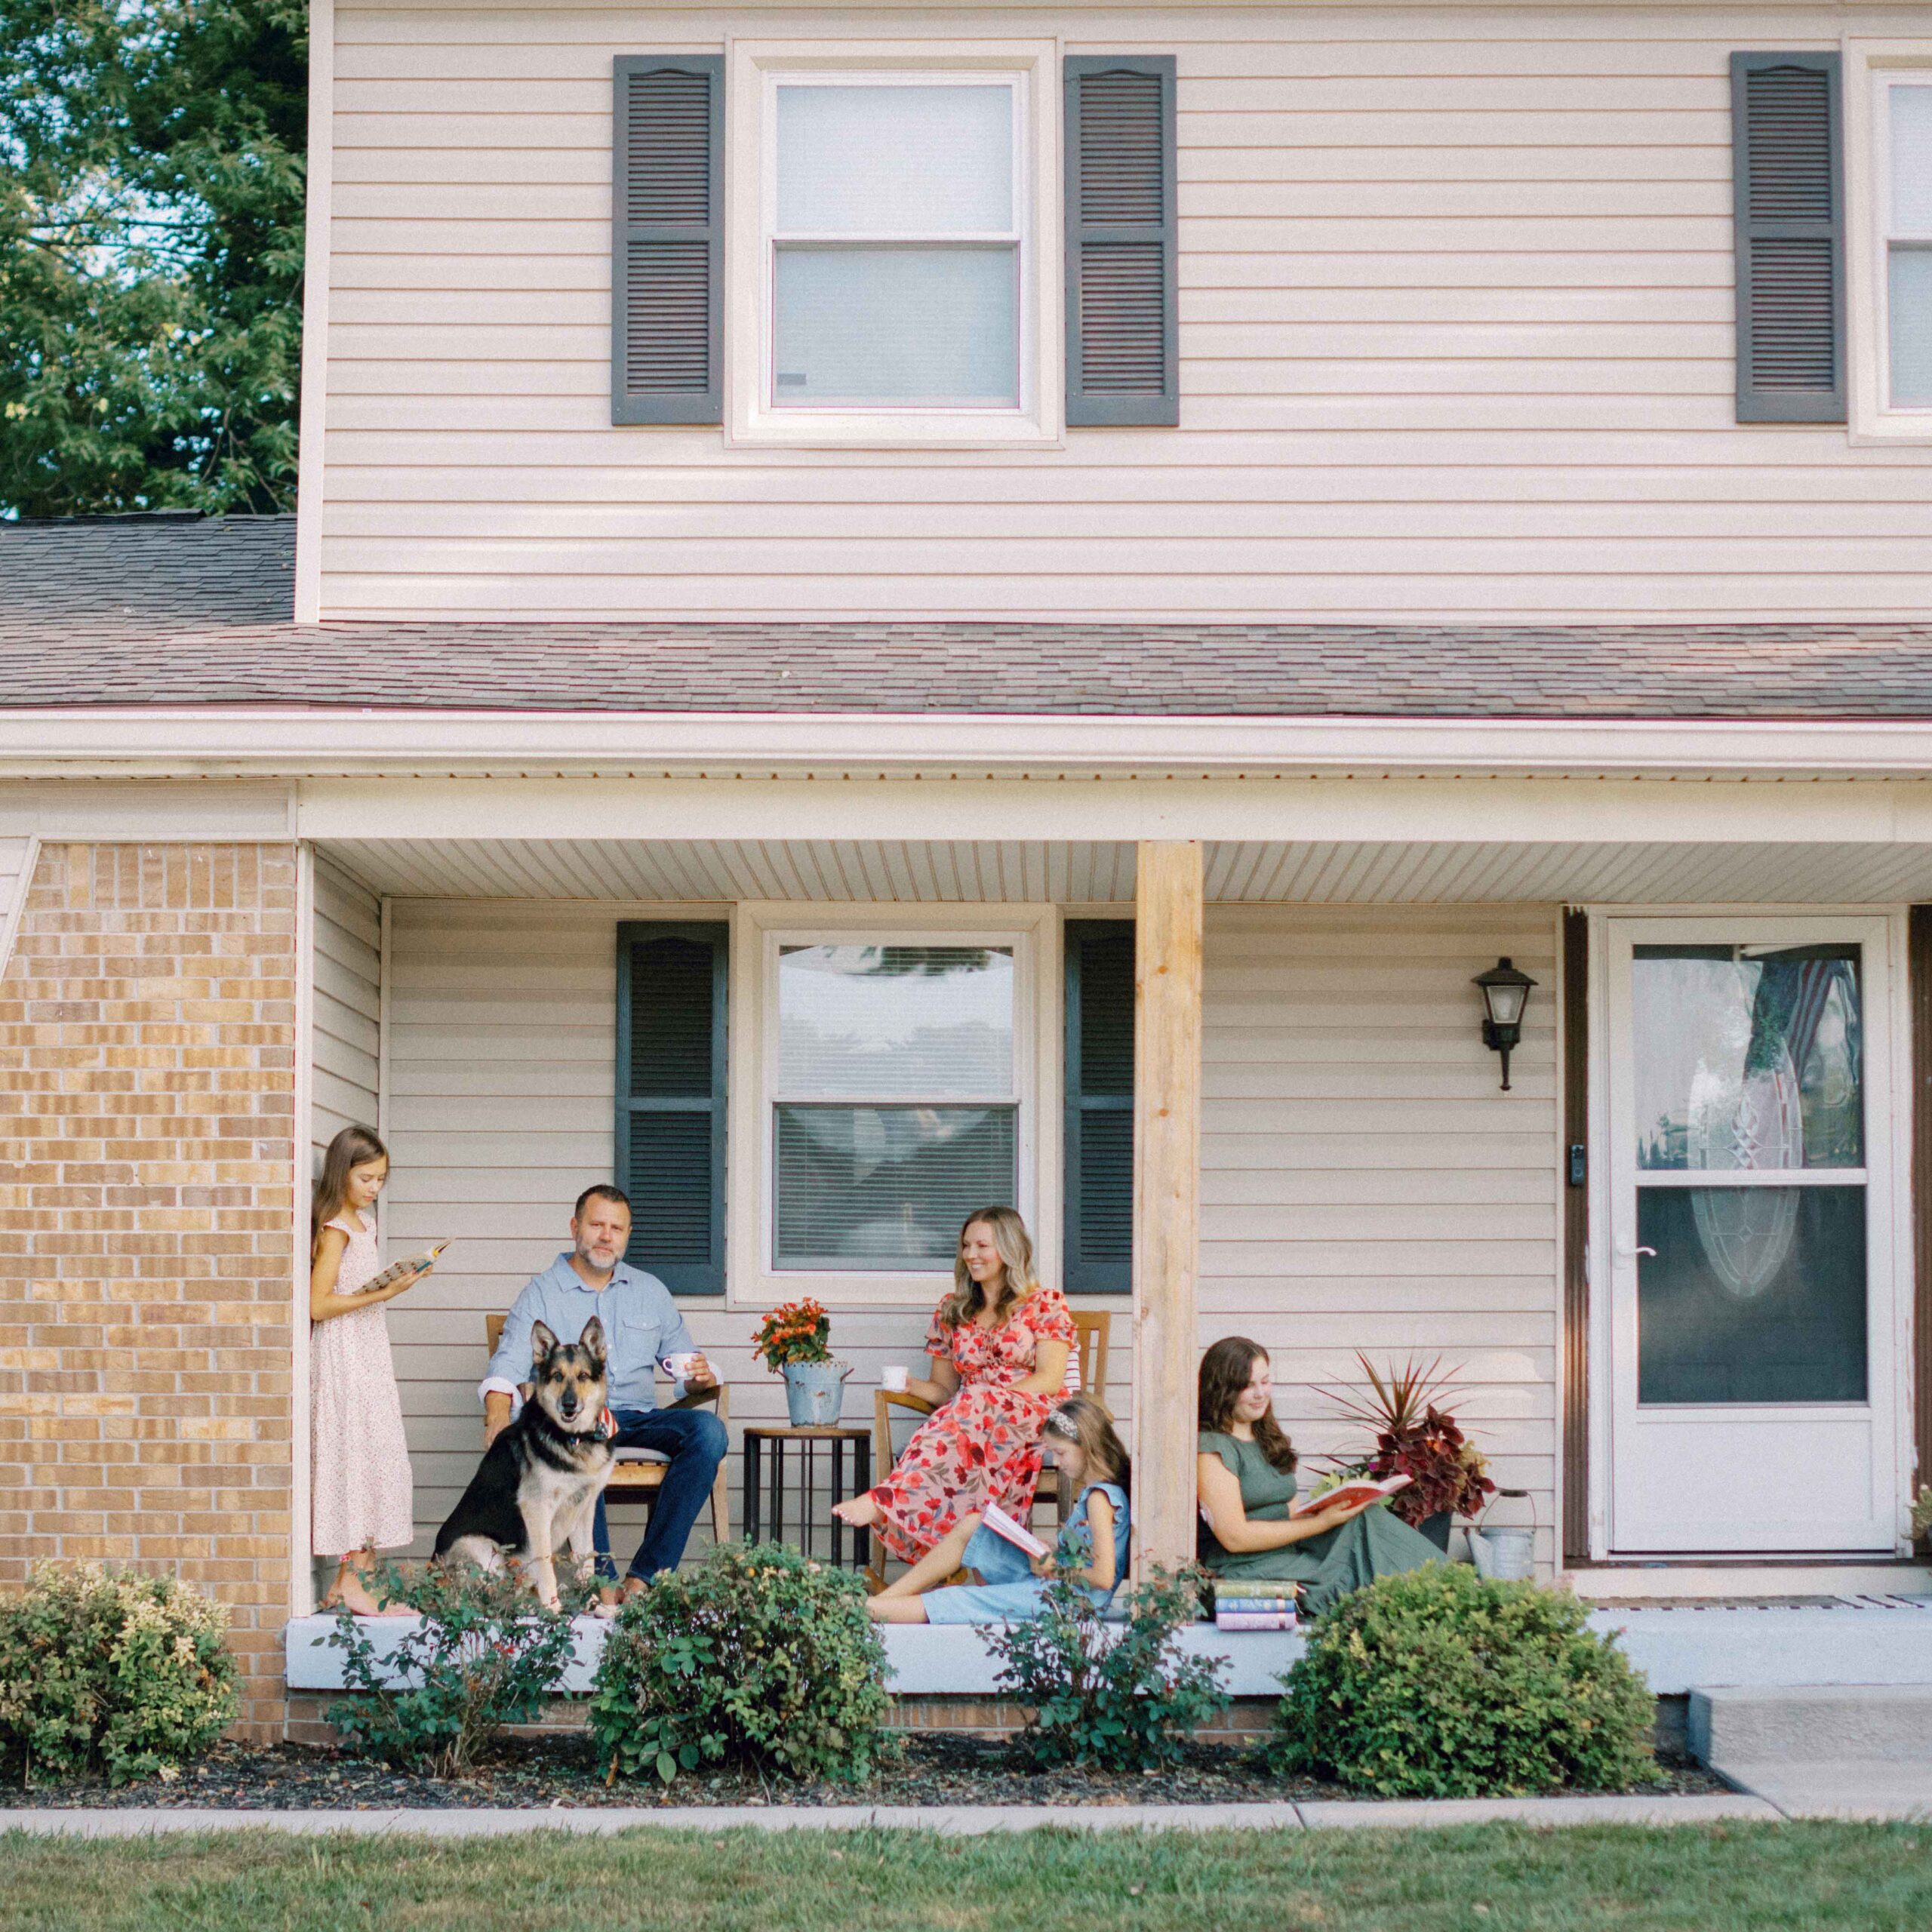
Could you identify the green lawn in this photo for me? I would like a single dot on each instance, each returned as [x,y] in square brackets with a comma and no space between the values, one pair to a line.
[1811,1878]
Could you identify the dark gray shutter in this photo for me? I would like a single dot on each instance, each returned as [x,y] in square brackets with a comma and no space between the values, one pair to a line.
[1122,338]
[1098,1190]
[1788,183]
[667,265]
[670,1139]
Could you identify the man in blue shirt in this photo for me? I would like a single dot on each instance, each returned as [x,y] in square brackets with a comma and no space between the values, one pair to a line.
[641,1328]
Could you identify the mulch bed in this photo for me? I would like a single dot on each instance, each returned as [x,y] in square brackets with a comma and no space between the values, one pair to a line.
[536,1774]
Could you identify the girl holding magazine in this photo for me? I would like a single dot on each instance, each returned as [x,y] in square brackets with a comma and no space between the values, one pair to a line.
[1012,1586]
[363,1489]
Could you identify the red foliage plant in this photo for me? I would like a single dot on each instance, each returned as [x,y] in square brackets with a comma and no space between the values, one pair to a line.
[1415,1438]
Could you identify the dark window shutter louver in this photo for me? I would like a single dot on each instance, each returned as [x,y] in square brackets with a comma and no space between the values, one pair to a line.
[667,267]
[1788,188]
[1122,333]
[670,1137]
[1099,1189]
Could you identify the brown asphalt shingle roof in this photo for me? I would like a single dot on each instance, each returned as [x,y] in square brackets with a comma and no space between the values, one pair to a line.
[167,611]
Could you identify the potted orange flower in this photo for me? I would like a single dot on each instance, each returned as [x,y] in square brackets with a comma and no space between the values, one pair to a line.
[794,1338]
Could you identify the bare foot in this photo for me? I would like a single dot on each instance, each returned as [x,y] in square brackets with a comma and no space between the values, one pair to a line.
[359,1602]
[862,1512]
[635,1586]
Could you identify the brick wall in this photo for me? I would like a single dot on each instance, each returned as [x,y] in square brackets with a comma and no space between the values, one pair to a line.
[147,1058]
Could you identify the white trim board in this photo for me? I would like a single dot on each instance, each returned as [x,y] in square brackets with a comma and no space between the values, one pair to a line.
[205,740]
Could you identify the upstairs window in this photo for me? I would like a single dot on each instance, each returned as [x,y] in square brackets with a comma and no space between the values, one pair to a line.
[888,282]
[895,252]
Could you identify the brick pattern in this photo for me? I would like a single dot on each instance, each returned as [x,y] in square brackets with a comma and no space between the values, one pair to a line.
[147,1066]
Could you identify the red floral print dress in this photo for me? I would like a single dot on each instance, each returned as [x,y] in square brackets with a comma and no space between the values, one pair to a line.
[984,1444]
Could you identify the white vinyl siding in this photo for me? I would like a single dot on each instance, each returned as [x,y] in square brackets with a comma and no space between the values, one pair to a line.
[1365,1183]
[1457,334]
[502,1071]
[348,1005]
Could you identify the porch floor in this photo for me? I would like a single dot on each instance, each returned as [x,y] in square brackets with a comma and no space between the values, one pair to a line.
[1680,1647]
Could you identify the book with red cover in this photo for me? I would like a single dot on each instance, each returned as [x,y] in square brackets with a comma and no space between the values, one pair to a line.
[1358,1489]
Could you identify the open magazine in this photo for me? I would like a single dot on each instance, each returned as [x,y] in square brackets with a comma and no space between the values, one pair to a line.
[1357,1489]
[394,1272]
[1016,1532]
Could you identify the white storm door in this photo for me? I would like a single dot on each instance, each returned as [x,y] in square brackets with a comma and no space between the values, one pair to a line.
[1751,1278]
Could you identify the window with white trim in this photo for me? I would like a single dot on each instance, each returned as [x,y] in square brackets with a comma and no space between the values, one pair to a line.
[889,284]
[1888,153]
[895,1100]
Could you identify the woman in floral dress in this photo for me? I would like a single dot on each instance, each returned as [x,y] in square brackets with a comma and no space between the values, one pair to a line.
[999,1344]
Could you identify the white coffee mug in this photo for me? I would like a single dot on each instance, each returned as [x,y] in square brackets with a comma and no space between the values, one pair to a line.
[678,1366]
[895,1379]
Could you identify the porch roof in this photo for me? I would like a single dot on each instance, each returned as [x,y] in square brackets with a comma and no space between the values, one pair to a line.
[181,610]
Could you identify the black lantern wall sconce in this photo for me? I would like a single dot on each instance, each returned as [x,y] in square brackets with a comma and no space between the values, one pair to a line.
[1504,993]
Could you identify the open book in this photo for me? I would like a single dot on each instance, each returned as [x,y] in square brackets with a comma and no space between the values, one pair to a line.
[395,1272]
[1357,1489]
[1017,1533]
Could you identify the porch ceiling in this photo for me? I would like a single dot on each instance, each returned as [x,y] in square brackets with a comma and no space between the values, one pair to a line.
[1320,872]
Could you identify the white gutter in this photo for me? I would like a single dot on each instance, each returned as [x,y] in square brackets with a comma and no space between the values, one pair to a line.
[209,741]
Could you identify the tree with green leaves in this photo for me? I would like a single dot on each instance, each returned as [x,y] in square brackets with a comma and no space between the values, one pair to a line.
[150,185]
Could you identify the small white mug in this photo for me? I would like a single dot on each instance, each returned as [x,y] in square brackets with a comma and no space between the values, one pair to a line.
[678,1366]
[895,1379]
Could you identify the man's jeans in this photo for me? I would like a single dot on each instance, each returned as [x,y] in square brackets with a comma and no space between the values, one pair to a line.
[695,1440]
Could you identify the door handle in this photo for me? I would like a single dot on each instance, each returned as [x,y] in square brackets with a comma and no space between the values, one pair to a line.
[1626,1253]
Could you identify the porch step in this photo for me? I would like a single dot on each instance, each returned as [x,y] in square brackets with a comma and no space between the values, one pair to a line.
[1799,1723]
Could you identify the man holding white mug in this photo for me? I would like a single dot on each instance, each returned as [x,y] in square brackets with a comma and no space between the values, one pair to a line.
[642,1328]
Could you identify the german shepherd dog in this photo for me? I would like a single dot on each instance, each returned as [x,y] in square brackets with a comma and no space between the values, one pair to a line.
[537,1489]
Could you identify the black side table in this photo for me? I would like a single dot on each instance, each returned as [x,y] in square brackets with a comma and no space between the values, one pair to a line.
[757,1434]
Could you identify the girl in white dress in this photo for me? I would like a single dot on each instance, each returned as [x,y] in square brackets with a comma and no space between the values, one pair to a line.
[363,1486]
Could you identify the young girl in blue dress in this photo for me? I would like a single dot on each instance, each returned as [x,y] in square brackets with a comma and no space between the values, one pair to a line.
[1011,1585]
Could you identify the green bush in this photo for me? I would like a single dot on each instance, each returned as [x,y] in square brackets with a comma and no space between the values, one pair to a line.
[1118,1696]
[104,1671]
[756,1658]
[1434,1683]
[485,1655]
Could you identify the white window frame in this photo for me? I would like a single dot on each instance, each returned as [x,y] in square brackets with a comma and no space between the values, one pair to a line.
[757,68]
[1871,68]
[759,931]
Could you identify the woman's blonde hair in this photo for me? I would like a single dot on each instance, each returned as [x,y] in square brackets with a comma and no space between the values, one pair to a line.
[353,1147]
[1017,1280]
[1084,1422]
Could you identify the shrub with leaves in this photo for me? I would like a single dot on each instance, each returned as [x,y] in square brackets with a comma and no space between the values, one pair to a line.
[104,1671]
[756,1659]
[1435,1684]
[485,1655]
[1121,1696]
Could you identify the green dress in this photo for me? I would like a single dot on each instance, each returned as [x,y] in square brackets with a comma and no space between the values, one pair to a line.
[1376,1543]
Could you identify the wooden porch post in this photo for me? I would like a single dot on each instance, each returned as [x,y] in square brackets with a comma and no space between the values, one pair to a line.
[1167,1195]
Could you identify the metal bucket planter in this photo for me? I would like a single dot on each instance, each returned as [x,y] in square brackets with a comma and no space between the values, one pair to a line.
[814,1393]
[1506,1555]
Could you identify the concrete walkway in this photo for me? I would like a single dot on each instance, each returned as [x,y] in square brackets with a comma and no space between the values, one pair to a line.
[956,1821]
[1839,1787]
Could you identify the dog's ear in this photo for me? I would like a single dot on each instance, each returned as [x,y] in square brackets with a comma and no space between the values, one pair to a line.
[541,1342]
[592,1337]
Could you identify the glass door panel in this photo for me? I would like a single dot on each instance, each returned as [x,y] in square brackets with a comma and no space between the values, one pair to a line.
[1750,1272]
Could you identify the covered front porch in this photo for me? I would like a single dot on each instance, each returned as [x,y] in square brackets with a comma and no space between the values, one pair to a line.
[1324,1158]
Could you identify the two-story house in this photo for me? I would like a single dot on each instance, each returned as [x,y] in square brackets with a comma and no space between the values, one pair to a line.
[894,608]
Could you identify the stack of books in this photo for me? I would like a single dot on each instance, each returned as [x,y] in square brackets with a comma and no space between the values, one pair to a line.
[1254,1604]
